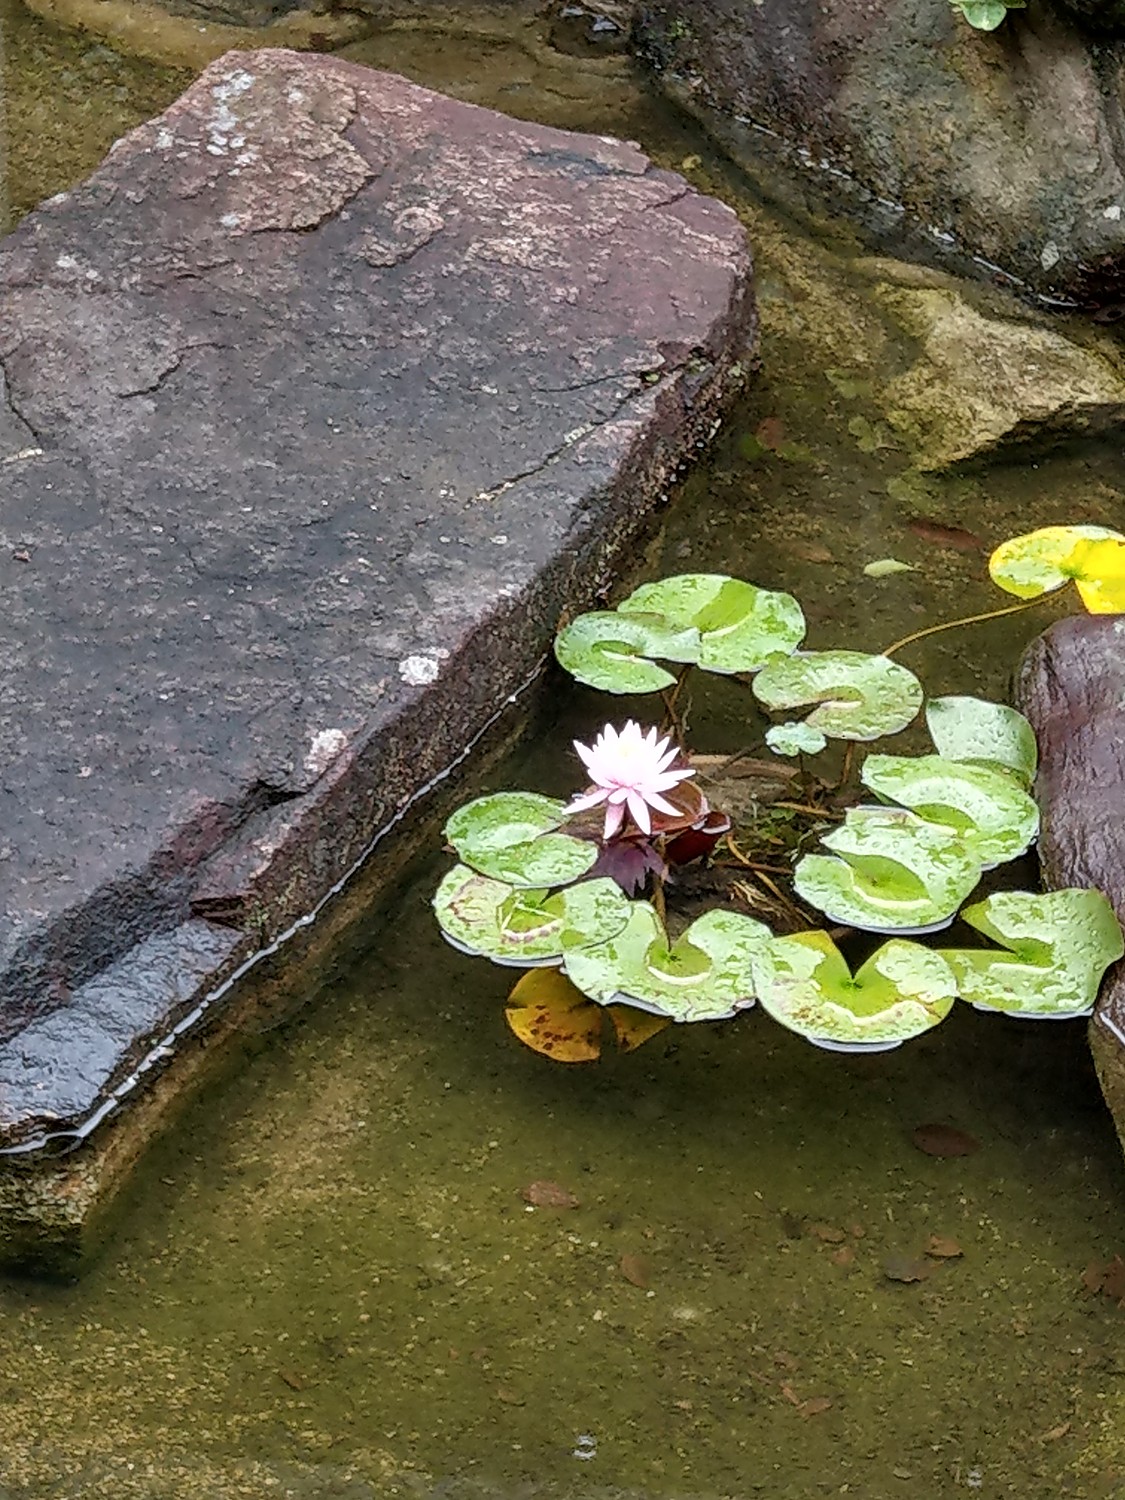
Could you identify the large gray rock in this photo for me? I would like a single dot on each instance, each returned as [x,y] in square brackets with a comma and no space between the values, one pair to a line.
[1072,688]
[1007,141]
[323,399]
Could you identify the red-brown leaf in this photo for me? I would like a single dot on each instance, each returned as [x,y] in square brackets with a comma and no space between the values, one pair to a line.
[943,1247]
[635,1269]
[827,1233]
[955,537]
[906,1267]
[944,1140]
[549,1195]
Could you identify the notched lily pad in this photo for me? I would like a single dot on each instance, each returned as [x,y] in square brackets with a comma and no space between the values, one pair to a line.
[525,928]
[510,836]
[1044,560]
[740,625]
[705,975]
[892,872]
[1058,947]
[984,805]
[795,739]
[976,730]
[901,991]
[613,651]
[859,696]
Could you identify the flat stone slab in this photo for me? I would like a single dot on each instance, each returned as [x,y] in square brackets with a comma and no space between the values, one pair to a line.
[1072,688]
[322,400]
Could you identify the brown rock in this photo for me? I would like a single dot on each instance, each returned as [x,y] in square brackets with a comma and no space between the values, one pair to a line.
[1072,688]
[1004,142]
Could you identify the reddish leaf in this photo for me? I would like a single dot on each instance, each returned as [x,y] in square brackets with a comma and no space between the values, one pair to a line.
[635,1269]
[906,1268]
[770,432]
[810,552]
[955,537]
[814,1406]
[548,1195]
[942,1247]
[828,1233]
[944,1140]
[844,1256]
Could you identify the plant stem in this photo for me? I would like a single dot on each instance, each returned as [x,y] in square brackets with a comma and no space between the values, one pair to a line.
[658,900]
[675,724]
[992,614]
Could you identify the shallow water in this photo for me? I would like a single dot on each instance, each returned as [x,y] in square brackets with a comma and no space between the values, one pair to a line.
[326,1281]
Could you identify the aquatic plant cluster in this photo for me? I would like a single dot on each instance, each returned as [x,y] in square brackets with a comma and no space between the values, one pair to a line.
[552,887]
[986,15]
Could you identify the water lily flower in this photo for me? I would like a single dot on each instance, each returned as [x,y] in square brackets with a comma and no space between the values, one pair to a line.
[629,770]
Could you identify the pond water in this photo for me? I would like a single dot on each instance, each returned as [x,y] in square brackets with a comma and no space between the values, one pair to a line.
[326,1282]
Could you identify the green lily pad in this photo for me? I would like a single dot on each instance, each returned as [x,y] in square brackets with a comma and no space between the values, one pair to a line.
[795,739]
[705,975]
[740,625]
[893,872]
[986,15]
[1059,946]
[984,805]
[613,652]
[510,836]
[860,697]
[525,928]
[973,729]
[901,991]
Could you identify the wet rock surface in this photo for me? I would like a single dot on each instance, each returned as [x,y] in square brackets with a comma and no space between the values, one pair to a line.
[322,400]
[1072,688]
[1006,141]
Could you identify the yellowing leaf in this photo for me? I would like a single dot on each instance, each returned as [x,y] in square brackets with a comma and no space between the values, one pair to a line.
[883,567]
[552,1016]
[634,1027]
[1100,578]
[1044,560]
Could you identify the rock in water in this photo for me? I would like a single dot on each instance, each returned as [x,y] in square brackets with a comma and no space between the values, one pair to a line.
[1004,142]
[324,398]
[1072,688]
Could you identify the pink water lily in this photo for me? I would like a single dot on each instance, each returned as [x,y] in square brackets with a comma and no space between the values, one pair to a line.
[629,770]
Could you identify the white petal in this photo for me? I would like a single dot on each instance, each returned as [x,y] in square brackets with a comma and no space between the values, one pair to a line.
[588,799]
[654,799]
[639,808]
[614,817]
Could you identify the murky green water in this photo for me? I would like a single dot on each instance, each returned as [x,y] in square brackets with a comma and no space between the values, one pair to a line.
[326,1281]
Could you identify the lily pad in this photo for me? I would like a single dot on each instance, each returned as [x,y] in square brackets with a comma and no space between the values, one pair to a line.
[1044,560]
[525,928]
[613,651]
[795,739]
[510,836]
[552,1016]
[894,872]
[973,729]
[705,975]
[740,625]
[985,806]
[986,15]
[1058,947]
[901,991]
[860,696]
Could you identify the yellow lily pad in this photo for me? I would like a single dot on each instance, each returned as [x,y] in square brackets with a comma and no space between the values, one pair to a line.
[552,1016]
[1093,557]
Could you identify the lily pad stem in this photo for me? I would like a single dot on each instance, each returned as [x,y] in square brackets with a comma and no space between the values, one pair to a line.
[673,722]
[992,614]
